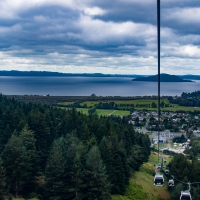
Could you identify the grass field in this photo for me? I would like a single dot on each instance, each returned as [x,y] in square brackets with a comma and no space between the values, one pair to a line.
[83,110]
[146,182]
[141,101]
[118,102]
[141,184]
[66,103]
[181,108]
[105,112]
[133,192]
[121,113]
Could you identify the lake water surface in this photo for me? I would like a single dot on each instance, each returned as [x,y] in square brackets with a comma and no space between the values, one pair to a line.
[85,86]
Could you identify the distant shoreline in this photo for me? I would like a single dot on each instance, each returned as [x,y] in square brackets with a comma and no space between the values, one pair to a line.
[59,74]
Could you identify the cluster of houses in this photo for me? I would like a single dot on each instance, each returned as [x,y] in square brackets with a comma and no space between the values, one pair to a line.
[186,123]
[175,122]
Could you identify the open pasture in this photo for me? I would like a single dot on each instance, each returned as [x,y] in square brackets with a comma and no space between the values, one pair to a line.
[139,104]
[128,102]
[105,112]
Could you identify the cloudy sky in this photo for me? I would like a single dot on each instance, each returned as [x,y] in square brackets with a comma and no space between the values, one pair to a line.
[99,36]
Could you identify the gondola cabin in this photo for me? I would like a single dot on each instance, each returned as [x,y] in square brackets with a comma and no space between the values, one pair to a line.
[159,166]
[171,183]
[159,180]
[185,195]
[167,171]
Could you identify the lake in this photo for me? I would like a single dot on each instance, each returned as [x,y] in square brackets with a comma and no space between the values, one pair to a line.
[85,86]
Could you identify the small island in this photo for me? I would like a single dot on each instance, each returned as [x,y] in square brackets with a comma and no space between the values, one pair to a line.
[163,78]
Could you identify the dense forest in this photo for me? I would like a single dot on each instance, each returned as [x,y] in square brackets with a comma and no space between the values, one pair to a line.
[59,154]
[195,147]
[187,99]
[185,171]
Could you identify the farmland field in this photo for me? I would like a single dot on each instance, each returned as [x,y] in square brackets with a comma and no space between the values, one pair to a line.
[105,112]
[137,104]
[121,113]
[83,110]
[118,102]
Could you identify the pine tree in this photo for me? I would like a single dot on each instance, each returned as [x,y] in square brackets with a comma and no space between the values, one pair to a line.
[176,192]
[29,142]
[179,166]
[105,149]
[95,183]
[100,132]
[4,136]
[37,123]
[120,170]
[85,136]
[195,172]
[64,169]
[55,176]
[16,162]
[2,181]
[75,156]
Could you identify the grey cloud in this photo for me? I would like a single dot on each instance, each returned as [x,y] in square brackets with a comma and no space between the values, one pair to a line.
[50,28]
[119,11]
[59,35]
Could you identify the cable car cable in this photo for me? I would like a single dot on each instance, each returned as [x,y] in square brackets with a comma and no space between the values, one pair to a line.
[180,181]
[158,48]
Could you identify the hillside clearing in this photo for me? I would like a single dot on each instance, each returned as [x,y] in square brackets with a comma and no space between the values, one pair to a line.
[141,184]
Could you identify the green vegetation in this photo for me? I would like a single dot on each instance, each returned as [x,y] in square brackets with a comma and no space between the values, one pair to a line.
[141,184]
[104,112]
[186,103]
[133,192]
[66,103]
[98,111]
[177,108]
[134,104]
[51,153]
[121,113]
[83,110]
[194,151]
[186,171]
[153,192]
[187,99]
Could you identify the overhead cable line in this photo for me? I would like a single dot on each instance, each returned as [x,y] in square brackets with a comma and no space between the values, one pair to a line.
[158,48]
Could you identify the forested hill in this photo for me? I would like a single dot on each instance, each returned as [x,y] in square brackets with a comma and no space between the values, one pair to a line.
[163,78]
[187,99]
[59,74]
[53,153]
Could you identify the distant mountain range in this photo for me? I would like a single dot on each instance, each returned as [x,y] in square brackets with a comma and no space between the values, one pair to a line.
[46,73]
[163,78]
